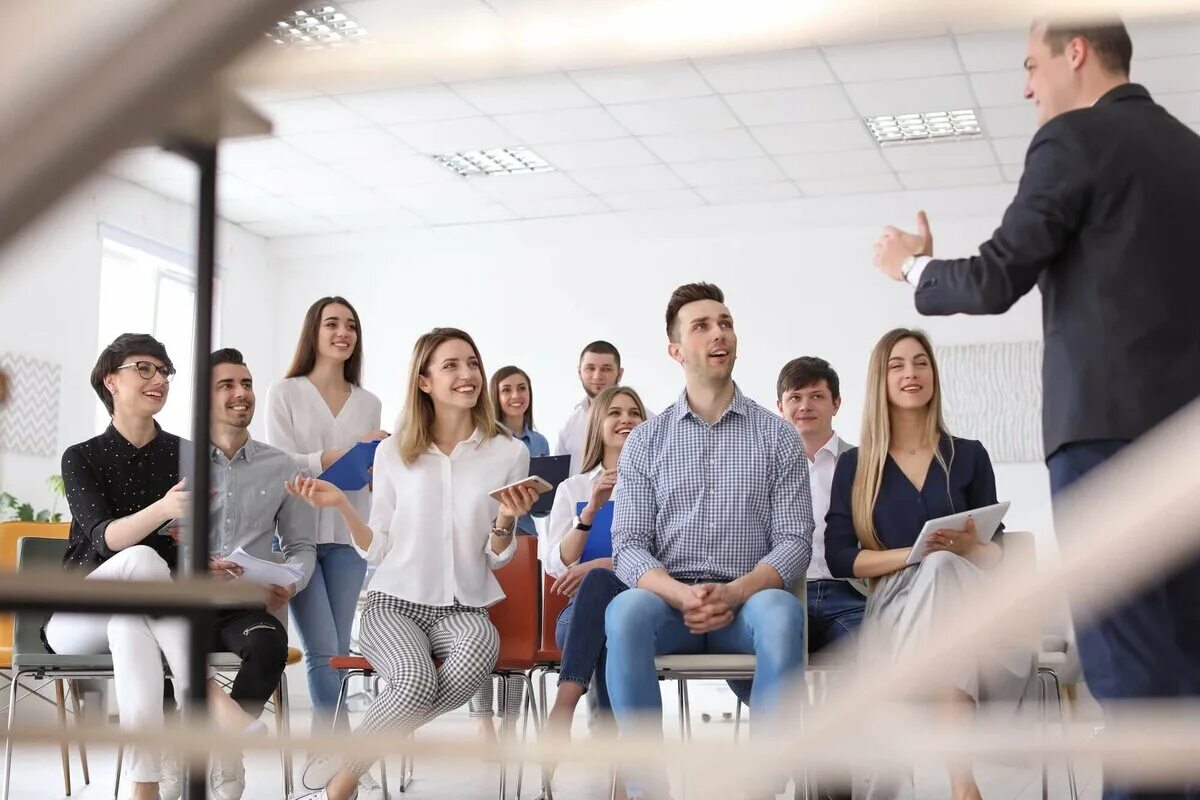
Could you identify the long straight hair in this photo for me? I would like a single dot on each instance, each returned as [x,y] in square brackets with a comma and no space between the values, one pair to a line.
[593,438]
[504,373]
[305,357]
[876,437]
[416,420]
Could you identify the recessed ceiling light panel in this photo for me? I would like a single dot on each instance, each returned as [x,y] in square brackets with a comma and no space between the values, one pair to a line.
[497,161]
[925,126]
[317,28]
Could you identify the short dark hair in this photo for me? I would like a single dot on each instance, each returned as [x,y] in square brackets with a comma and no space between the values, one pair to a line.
[807,371]
[121,348]
[226,355]
[601,348]
[689,293]
[1107,37]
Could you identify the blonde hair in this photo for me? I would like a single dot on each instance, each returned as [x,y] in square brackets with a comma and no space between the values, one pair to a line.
[415,427]
[876,437]
[593,447]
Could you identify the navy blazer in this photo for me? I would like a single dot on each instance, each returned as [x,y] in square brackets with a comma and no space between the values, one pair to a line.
[901,510]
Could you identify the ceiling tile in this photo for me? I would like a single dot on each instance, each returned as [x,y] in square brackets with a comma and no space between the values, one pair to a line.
[813,104]
[674,116]
[231,187]
[1174,74]
[995,51]
[1185,106]
[704,145]
[341,204]
[339,147]
[998,88]
[814,137]
[819,166]
[604,153]
[1011,150]
[533,93]
[312,179]
[293,227]
[251,155]
[946,178]
[392,219]
[260,209]
[1010,121]
[311,115]
[640,83]
[260,95]
[440,196]
[739,172]
[572,125]
[863,184]
[454,215]
[939,155]
[762,72]
[1012,172]
[947,93]
[1158,38]
[911,58]
[536,186]
[454,135]
[758,193]
[534,207]
[647,201]
[405,170]
[419,104]
[622,180]
[145,164]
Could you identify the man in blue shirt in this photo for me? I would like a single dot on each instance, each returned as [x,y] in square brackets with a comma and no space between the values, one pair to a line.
[713,520]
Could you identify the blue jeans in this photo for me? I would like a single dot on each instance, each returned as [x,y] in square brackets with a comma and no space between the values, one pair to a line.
[1150,645]
[324,614]
[641,625]
[580,632]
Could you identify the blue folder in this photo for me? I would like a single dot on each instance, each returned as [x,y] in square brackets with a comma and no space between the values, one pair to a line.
[353,470]
[599,540]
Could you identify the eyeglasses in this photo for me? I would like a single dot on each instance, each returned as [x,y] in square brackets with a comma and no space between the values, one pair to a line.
[146,370]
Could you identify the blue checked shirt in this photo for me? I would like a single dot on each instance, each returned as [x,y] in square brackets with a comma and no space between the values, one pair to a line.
[711,502]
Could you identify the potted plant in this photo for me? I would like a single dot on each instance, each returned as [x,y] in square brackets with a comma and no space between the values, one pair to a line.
[12,509]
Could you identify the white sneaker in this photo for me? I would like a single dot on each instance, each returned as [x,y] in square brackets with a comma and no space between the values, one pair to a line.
[318,772]
[369,788]
[228,779]
[318,795]
[170,783]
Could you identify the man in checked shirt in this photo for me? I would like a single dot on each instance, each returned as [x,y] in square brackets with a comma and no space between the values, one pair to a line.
[713,524]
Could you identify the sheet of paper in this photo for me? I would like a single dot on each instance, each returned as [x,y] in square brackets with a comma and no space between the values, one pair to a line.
[267,573]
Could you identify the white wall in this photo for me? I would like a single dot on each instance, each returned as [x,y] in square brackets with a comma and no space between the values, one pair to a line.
[797,277]
[49,284]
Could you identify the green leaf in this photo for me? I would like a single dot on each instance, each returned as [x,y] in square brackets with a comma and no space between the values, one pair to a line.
[57,517]
[43,516]
[25,513]
[56,485]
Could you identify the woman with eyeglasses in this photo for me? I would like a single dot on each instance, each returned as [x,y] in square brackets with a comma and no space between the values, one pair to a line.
[125,495]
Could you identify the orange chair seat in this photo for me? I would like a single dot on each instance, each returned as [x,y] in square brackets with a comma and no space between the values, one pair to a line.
[548,656]
[351,662]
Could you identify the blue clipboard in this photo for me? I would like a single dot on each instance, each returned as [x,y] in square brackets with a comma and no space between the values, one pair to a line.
[599,540]
[353,470]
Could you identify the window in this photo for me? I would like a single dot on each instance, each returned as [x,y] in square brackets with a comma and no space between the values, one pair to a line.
[148,288]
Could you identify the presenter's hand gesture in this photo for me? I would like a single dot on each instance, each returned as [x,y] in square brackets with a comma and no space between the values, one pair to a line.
[314,491]
[895,246]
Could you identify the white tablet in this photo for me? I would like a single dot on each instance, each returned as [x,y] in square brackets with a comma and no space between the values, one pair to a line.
[987,522]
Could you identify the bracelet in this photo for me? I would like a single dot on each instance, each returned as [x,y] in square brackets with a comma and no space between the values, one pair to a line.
[504,532]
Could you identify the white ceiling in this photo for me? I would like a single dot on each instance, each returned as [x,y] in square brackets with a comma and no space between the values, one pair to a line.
[740,129]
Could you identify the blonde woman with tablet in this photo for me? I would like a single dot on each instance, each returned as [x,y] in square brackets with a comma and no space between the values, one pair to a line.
[434,536]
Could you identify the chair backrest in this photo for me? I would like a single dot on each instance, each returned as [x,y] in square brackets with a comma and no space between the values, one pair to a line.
[35,552]
[552,605]
[1020,557]
[516,616]
[10,532]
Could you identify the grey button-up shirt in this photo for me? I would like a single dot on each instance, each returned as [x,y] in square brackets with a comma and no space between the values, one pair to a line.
[250,506]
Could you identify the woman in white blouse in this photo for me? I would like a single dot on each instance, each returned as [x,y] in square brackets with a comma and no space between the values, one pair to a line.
[591,584]
[317,413]
[434,537]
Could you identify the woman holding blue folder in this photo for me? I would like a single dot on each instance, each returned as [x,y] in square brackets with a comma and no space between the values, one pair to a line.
[317,414]
[577,550]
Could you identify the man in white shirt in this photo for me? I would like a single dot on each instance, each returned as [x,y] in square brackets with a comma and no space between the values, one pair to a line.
[599,368]
[808,396]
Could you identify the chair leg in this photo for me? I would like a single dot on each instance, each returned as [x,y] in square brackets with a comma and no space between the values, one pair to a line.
[13,687]
[383,778]
[117,779]
[283,727]
[77,709]
[737,721]
[529,708]
[1062,717]
[1042,703]
[60,702]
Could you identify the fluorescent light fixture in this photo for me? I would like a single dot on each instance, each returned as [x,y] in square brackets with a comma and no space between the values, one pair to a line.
[316,28]
[925,126]
[497,161]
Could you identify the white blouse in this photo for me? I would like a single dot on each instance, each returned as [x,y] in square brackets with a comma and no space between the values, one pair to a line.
[571,492]
[432,520]
[300,423]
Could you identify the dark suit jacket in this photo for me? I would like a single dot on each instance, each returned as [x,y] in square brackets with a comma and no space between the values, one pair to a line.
[1106,222]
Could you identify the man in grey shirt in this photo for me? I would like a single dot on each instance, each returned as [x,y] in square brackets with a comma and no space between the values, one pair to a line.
[249,509]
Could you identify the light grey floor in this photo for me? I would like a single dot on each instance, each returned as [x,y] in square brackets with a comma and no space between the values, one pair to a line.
[37,773]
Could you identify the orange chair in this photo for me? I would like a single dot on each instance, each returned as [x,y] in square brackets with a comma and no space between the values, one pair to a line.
[549,656]
[516,619]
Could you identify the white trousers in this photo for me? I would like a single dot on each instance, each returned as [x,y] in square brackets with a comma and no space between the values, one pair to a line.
[138,645]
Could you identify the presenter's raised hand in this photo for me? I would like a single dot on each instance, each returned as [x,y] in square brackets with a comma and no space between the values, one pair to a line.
[895,246]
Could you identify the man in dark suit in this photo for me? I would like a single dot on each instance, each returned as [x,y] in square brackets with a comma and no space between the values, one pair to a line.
[1104,223]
